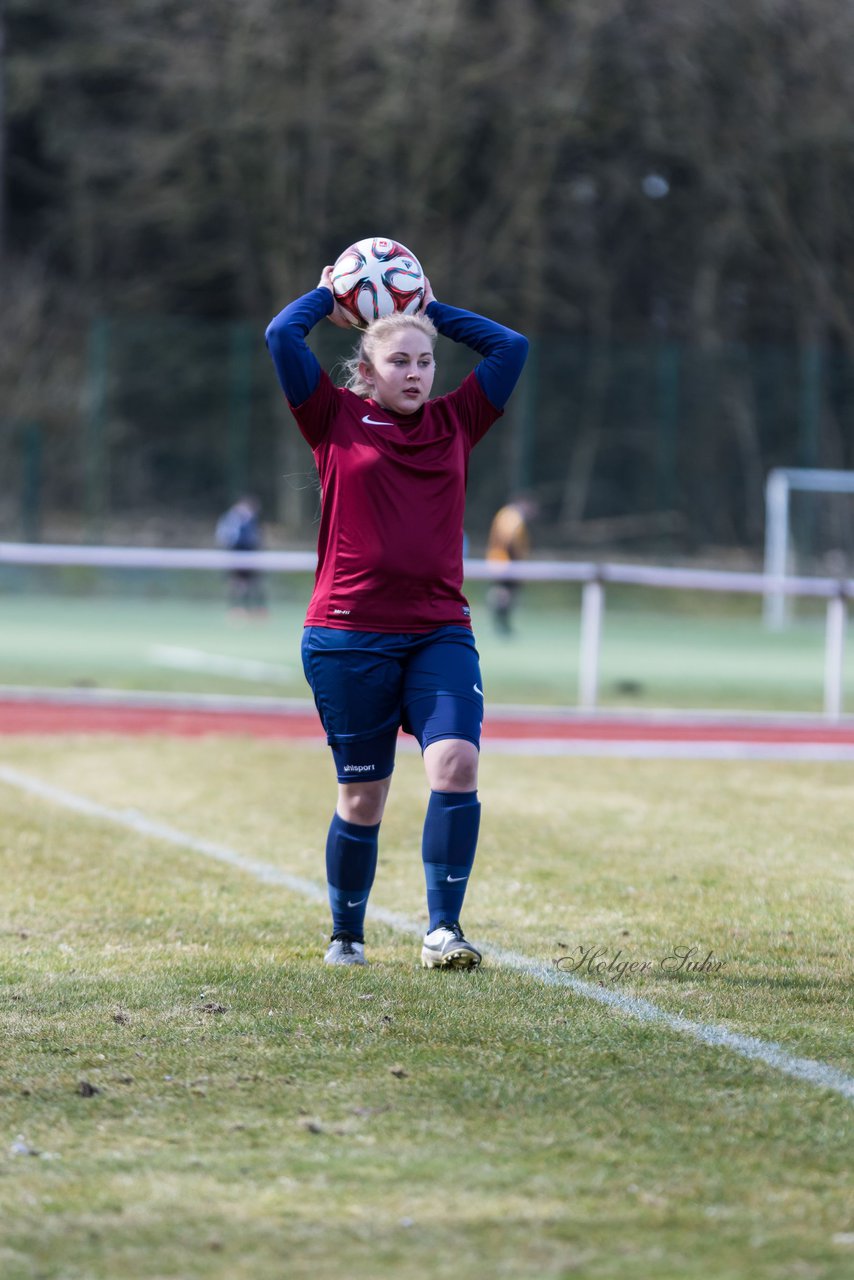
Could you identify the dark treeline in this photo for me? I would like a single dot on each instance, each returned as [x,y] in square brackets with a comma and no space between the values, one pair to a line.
[608,170]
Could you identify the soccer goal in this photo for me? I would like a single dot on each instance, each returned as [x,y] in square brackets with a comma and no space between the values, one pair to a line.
[819,536]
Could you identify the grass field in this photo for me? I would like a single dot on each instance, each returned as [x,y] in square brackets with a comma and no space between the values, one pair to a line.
[662,650]
[187,1092]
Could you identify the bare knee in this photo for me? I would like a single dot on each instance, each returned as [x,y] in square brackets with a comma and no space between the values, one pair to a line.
[451,765]
[363,803]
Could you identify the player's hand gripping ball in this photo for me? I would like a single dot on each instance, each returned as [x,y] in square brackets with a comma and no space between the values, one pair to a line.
[377,277]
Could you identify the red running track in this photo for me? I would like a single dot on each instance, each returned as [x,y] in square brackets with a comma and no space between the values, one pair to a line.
[79,714]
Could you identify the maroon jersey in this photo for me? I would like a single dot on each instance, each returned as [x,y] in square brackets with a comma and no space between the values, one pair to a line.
[390,548]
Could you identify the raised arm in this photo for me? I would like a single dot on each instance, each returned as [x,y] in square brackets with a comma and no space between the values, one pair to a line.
[296,365]
[504,350]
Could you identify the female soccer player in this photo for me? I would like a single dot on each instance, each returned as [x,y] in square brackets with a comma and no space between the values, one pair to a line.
[388,639]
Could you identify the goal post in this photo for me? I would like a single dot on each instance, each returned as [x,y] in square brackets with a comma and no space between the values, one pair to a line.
[781,482]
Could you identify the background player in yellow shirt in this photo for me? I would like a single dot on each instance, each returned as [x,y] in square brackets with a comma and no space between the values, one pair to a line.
[509,539]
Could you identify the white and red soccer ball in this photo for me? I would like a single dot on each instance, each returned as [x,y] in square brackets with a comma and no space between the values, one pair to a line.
[375,278]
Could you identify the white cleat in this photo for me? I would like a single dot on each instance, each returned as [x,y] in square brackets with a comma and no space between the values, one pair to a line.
[446,948]
[345,950]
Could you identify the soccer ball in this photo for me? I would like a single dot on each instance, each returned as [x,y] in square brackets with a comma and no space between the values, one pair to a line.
[377,277]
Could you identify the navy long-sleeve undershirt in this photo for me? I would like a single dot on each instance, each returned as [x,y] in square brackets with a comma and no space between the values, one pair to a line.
[503,350]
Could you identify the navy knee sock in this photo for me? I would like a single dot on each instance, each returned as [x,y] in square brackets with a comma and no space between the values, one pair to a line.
[447,848]
[351,861]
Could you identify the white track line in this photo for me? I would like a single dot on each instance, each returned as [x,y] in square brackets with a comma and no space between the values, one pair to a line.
[810,1070]
[221,664]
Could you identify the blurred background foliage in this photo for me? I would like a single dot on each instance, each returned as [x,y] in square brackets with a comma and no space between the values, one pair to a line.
[659,194]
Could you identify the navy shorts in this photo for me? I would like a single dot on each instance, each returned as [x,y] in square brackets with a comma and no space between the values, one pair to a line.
[368,684]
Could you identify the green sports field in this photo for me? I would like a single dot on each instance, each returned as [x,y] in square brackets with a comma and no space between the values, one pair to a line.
[187,1092]
[659,649]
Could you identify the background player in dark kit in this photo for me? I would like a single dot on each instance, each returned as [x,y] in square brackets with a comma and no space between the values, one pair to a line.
[239,529]
[388,640]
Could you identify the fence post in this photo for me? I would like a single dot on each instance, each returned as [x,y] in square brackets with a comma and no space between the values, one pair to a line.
[592,607]
[834,653]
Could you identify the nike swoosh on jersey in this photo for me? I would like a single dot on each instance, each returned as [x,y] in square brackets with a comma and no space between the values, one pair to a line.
[356,904]
[372,422]
[456,879]
[480,691]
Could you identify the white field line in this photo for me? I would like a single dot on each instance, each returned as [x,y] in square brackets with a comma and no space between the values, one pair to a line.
[810,1070]
[663,750]
[221,664]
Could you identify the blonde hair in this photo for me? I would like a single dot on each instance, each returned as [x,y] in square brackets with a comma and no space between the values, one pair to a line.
[377,333]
